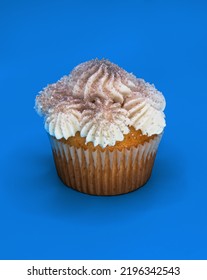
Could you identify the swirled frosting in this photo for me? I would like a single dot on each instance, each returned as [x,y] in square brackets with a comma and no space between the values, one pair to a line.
[101,101]
[104,123]
[103,79]
[63,121]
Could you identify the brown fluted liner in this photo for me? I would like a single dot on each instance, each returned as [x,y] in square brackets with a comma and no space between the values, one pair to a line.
[104,172]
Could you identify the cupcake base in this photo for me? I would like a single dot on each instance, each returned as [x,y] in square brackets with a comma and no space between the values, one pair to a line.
[105,172]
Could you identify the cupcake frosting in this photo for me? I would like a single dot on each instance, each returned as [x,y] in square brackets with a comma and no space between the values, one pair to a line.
[101,79]
[104,123]
[101,101]
[63,121]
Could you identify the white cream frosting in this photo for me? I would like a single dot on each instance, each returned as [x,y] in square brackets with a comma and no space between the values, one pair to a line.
[104,123]
[144,116]
[53,95]
[151,94]
[64,120]
[101,101]
[102,79]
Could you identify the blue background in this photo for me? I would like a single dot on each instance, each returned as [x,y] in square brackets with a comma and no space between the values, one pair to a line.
[164,42]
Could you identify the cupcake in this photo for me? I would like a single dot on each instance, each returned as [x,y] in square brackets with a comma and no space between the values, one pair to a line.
[104,126]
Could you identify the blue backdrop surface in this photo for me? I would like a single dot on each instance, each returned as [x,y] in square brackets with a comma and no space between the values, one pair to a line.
[165,43]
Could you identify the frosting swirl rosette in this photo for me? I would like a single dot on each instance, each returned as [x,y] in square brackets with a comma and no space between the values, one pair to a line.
[104,123]
[102,79]
[101,101]
[63,121]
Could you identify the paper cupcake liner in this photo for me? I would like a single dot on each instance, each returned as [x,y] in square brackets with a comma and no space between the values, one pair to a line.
[104,172]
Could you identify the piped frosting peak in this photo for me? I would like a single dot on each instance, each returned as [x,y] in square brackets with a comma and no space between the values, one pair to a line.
[101,101]
[104,123]
[103,79]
